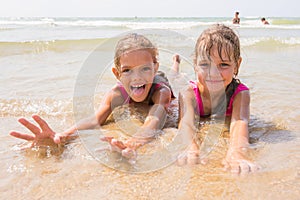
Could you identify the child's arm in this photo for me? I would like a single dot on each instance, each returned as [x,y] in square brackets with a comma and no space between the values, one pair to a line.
[187,113]
[156,115]
[153,122]
[187,129]
[100,116]
[236,158]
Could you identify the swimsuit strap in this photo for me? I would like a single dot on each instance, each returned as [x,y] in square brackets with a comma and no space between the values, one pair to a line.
[125,96]
[199,102]
[240,87]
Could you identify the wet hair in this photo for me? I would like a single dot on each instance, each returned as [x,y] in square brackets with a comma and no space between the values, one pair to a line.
[237,13]
[222,37]
[263,19]
[134,42]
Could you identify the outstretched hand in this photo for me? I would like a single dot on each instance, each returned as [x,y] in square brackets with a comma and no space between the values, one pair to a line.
[237,162]
[127,148]
[191,156]
[40,134]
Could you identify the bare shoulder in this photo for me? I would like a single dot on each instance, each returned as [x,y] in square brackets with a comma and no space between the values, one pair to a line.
[115,90]
[243,94]
[241,106]
[162,95]
[114,96]
[242,97]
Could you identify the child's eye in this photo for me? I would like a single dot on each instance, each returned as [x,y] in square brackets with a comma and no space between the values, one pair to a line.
[125,70]
[146,68]
[204,65]
[224,65]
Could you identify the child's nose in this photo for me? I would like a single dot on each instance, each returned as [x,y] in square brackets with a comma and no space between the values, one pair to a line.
[137,74]
[213,71]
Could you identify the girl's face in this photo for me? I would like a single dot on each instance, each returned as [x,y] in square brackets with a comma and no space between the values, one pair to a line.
[136,73]
[216,73]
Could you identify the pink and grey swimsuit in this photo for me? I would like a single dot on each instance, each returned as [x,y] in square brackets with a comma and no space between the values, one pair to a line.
[200,109]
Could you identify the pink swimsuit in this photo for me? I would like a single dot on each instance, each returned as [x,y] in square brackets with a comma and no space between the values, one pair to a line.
[200,109]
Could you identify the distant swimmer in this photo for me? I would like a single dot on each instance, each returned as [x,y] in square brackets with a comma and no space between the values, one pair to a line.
[264,21]
[236,19]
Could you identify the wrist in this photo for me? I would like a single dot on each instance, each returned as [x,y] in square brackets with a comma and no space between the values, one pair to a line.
[69,131]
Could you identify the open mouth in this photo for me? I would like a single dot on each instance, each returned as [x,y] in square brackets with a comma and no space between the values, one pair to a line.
[138,89]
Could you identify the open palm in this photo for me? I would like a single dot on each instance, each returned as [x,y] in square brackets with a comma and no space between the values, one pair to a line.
[40,133]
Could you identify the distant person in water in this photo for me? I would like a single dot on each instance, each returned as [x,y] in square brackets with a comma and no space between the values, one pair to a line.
[236,19]
[264,21]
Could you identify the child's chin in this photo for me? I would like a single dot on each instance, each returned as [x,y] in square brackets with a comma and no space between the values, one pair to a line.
[138,99]
[215,88]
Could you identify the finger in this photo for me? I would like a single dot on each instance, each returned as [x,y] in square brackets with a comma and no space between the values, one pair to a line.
[118,144]
[57,139]
[192,157]
[181,160]
[204,161]
[106,139]
[254,167]
[129,153]
[245,168]
[235,168]
[23,136]
[133,144]
[43,124]
[30,126]
[114,144]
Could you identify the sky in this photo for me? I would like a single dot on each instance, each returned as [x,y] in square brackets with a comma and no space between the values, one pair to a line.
[149,8]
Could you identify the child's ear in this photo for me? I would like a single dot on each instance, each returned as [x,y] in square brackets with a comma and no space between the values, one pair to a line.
[116,72]
[239,62]
[196,69]
[236,71]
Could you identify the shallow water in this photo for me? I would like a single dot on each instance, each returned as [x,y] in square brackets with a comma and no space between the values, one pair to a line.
[39,80]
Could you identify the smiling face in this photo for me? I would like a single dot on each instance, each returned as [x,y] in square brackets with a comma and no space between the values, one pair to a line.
[217,71]
[136,73]
[217,57]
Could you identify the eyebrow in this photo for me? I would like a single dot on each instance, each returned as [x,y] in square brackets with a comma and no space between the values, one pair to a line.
[126,66]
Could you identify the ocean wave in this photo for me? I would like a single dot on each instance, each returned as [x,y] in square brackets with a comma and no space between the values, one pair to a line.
[270,42]
[133,23]
[27,107]
[36,46]
[286,21]
[28,47]
[43,31]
